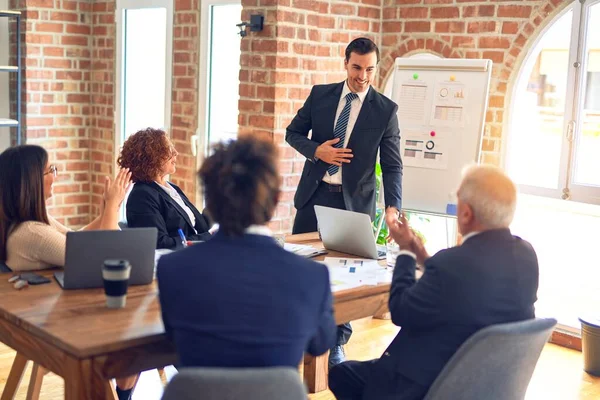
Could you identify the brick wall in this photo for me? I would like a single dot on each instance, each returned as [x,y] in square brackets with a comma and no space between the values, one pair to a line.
[56,95]
[184,110]
[101,98]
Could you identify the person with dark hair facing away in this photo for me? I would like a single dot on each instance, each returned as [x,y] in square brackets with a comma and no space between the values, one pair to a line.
[240,299]
[153,201]
[491,278]
[350,122]
[30,239]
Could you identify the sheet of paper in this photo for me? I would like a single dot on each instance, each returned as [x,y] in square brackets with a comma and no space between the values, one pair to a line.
[412,102]
[420,149]
[348,273]
[303,250]
[449,100]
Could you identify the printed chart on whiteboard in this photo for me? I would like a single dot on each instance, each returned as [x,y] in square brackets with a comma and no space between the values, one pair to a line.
[449,99]
[413,101]
[425,150]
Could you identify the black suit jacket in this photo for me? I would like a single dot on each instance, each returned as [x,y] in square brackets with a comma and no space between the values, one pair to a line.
[376,128]
[150,206]
[245,302]
[492,278]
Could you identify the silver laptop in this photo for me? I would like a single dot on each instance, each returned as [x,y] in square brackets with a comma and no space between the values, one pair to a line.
[347,232]
[87,250]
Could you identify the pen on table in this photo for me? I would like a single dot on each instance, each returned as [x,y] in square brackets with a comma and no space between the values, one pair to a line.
[182,236]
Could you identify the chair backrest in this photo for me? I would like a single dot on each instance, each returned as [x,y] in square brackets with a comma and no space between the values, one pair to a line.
[273,383]
[495,363]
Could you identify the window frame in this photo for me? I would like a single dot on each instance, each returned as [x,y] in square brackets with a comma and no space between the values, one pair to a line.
[119,110]
[566,189]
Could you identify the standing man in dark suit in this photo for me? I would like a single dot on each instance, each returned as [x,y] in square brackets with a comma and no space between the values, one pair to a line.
[491,278]
[350,122]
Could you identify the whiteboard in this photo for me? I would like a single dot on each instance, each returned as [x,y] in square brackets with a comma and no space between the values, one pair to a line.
[441,111]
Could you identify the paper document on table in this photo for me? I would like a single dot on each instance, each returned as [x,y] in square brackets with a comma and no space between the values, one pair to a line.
[348,273]
[303,250]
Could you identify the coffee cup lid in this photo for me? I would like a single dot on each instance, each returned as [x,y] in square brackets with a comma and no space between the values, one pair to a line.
[116,264]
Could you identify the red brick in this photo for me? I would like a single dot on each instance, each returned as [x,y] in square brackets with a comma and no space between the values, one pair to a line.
[495,56]
[487,11]
[510,27]
[463,41]
[494,43]
[63,16]
[74,40]
[481,27]
[342,9]
[417,26]
[449,27]
[514,11]
[48,27]
[445,12]
[321,21]
[414,12]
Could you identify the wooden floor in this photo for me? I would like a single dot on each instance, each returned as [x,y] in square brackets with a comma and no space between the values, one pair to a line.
[558,376]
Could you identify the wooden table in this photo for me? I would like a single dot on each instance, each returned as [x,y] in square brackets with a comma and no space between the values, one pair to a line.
[349,305]
[74,335]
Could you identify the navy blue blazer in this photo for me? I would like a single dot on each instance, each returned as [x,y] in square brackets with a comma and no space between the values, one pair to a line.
[376,129]
[150,206]
[245,302]
[491,278]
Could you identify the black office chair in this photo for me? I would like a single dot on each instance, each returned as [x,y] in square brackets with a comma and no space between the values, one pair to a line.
[4,268]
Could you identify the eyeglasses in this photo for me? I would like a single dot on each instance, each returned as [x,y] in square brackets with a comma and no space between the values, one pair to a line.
[52,170]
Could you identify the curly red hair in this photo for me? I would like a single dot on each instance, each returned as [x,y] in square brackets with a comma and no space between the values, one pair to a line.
[144,153]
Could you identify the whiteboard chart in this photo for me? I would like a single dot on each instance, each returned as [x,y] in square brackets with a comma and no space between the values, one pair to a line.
[441,112]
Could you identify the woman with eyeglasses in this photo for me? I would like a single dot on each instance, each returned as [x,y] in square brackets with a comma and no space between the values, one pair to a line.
[30,239]
[154,201]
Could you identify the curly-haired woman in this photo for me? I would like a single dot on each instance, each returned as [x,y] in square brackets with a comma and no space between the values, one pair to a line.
[153,201]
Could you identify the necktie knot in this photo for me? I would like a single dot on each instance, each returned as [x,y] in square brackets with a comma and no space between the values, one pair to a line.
[350,97]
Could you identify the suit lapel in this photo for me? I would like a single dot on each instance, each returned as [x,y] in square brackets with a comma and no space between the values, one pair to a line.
[169,199]
[363,117]
[330,108]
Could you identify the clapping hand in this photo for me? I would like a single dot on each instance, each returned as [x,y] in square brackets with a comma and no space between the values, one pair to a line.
[115,191]
[400,231]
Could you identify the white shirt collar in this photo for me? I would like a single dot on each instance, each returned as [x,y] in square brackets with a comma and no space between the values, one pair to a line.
[469,236]
[361,95]
[259,230]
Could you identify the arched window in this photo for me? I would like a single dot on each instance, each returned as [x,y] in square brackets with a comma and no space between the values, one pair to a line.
[554,128]
[553,153]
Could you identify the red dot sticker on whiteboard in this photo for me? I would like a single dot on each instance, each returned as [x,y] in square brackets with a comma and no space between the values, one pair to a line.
[432,133]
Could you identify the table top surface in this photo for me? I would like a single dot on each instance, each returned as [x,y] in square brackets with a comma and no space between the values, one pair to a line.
[78,322]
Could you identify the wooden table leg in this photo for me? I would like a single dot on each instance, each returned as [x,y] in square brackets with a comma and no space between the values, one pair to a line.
[14,377]
[35,382]
[82,382]
[315,372]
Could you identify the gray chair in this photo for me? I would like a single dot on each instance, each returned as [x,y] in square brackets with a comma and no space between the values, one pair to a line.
[273,383]
[495,363]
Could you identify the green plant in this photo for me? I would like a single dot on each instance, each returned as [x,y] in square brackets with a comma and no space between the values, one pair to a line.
[410,216]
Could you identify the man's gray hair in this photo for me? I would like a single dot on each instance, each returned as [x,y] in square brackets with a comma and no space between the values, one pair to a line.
[491,194]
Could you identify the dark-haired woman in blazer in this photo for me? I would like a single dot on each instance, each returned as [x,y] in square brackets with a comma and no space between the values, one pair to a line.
[153,201]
